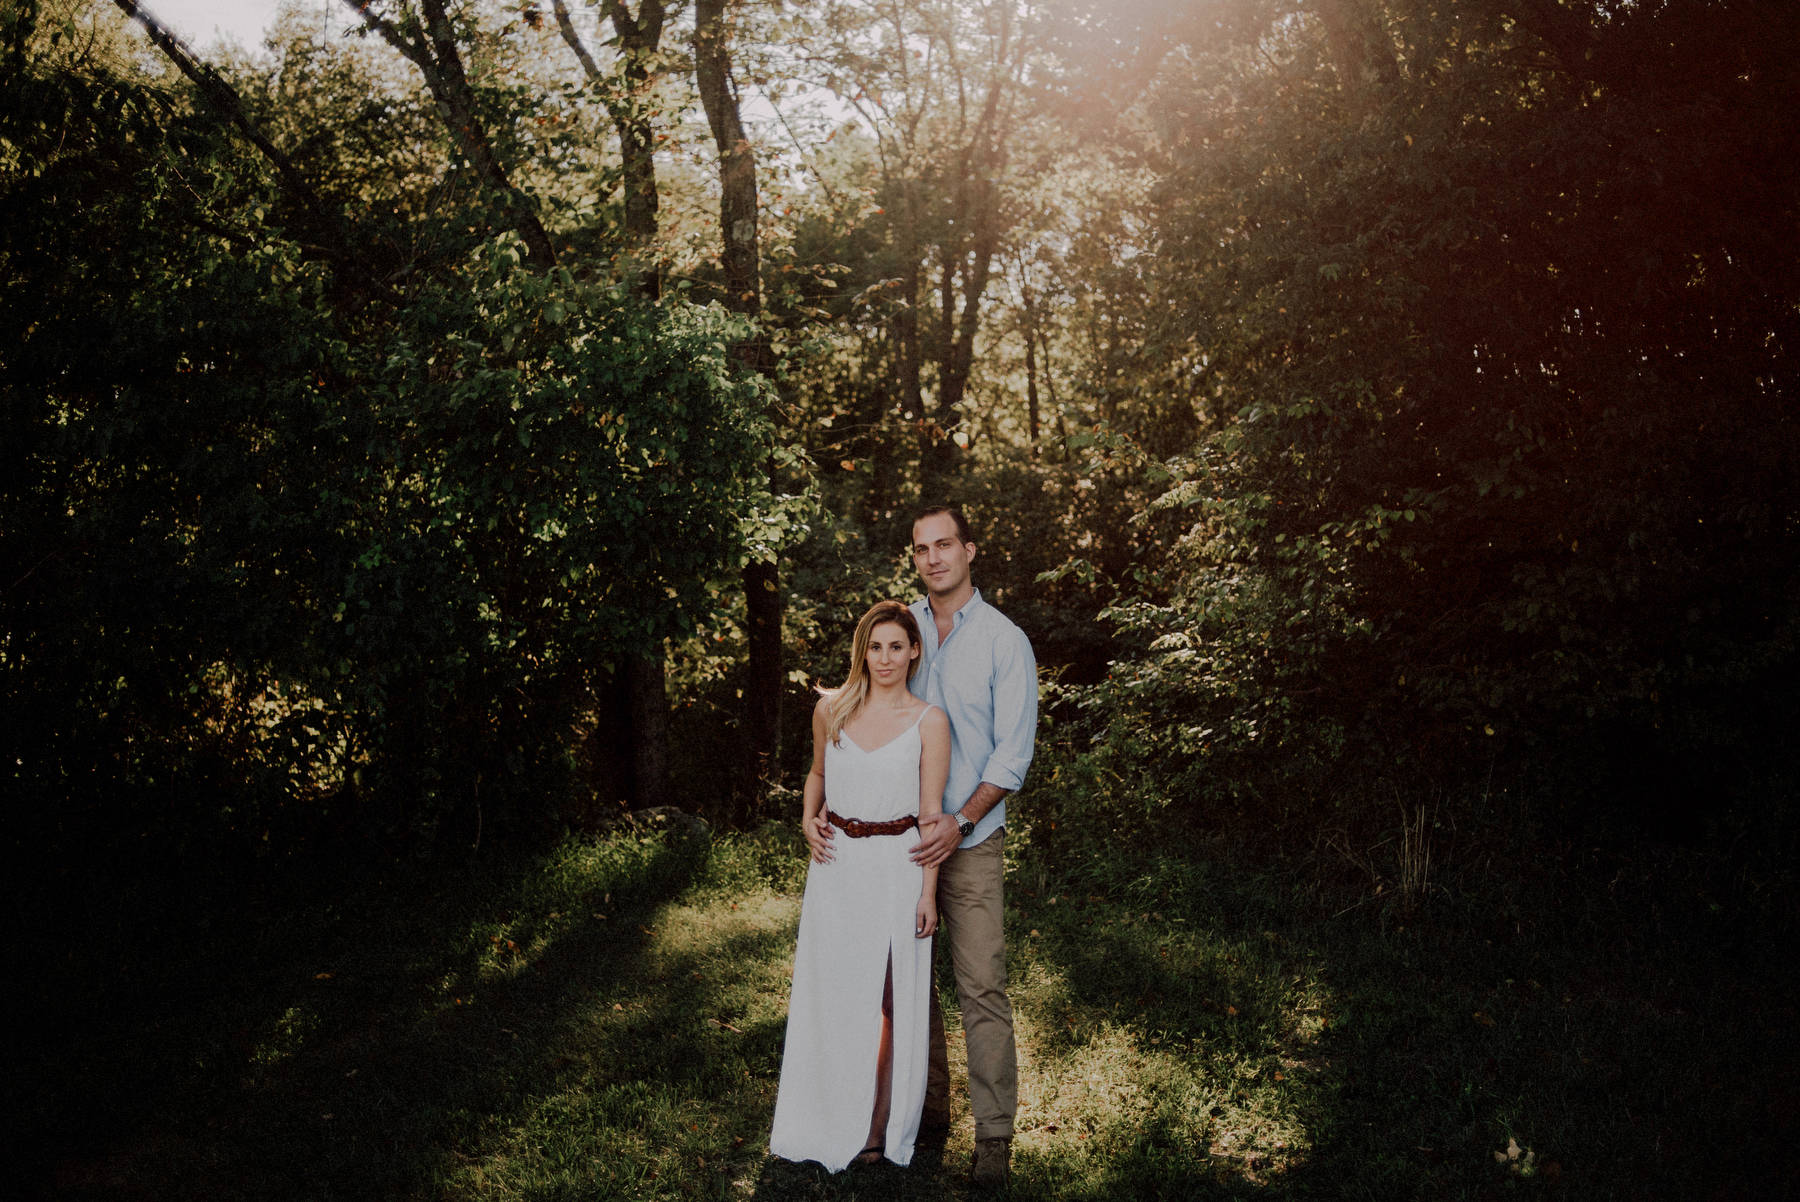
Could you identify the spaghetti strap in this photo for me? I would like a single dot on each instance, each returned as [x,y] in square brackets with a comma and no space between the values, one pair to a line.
[844,734]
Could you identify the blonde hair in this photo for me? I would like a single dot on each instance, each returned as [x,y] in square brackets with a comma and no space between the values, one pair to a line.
[843,702]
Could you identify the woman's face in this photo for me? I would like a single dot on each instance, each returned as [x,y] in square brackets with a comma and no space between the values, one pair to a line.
[891,653]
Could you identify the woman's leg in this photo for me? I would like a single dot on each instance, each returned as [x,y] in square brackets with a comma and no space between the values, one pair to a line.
[884,1073]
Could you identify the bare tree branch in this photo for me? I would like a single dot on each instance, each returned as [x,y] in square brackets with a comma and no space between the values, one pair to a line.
[573,38]
[224,98]
[431,46]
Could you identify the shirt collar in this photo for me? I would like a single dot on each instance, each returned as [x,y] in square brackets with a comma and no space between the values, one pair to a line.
[968,610]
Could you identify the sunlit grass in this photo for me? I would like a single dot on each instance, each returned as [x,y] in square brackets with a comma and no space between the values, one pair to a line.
[1129,1055]
[607,1023]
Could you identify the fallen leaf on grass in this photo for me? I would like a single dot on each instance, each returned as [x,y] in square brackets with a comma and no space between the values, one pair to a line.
[617,1006]
[1483,1019]
[1279,1077]
[737,1141]
[724,1026]
[323,976]
[1231,1010]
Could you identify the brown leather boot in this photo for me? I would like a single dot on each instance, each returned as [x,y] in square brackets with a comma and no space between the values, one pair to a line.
[993,1162]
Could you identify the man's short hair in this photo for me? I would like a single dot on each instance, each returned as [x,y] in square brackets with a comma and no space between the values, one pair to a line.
[963,532]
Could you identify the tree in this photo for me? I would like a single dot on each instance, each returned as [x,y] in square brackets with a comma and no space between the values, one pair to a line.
[940,87]
[1478,455]
[740,256]
[428,40]
[341,567]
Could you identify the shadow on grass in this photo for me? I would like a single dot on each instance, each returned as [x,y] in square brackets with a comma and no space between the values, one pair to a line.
[1572,1026]
[371,1054]
[607,1023]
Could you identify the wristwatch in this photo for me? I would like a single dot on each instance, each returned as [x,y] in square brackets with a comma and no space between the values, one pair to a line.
[964,827]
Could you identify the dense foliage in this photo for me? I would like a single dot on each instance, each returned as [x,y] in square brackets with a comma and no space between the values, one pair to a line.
[413,427]
[1487,311]
[287,562]
[1351,399]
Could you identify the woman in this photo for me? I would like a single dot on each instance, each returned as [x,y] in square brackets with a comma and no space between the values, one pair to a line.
[853,1068]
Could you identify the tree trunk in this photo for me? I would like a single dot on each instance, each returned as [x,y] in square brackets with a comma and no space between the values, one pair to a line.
[740,258]
[737,161]
[968,253]
[1031,391]
[639,38]
[912,354]
[649,732]
[765,681]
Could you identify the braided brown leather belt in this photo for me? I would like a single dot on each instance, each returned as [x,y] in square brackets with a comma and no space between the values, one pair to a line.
[858,829]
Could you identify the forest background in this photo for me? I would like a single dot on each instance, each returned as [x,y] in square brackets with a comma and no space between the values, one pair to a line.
[449,427]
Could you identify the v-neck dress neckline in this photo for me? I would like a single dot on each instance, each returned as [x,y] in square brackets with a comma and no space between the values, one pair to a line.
[871,751]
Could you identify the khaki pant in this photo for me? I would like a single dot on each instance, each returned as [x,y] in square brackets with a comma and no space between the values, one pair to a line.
[970,914]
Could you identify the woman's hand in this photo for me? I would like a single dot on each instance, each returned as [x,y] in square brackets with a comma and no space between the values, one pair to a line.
[925,917]
[818,836]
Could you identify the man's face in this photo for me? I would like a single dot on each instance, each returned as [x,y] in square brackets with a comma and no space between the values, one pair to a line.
[941,557]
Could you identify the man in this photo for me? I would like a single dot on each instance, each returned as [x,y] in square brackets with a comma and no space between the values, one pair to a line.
[979,669]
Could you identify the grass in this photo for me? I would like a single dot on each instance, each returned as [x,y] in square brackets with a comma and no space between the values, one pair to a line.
[606,1022]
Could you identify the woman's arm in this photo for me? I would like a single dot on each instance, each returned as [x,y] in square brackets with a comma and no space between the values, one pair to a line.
[812,815]
[934,773]
[934,761]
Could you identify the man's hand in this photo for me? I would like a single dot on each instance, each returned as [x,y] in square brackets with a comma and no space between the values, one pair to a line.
[818,836]
[935,844]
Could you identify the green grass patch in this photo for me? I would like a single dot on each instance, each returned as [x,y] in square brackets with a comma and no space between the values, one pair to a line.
[606,1022]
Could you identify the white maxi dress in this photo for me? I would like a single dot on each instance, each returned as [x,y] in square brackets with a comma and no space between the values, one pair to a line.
[858,910]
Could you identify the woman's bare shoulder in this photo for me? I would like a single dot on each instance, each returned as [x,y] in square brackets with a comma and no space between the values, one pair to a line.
[935,719]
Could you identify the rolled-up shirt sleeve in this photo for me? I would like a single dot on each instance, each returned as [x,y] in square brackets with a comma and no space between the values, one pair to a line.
[1015,712]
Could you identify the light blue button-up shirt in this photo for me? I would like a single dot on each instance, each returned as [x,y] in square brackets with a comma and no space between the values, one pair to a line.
[984,678]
